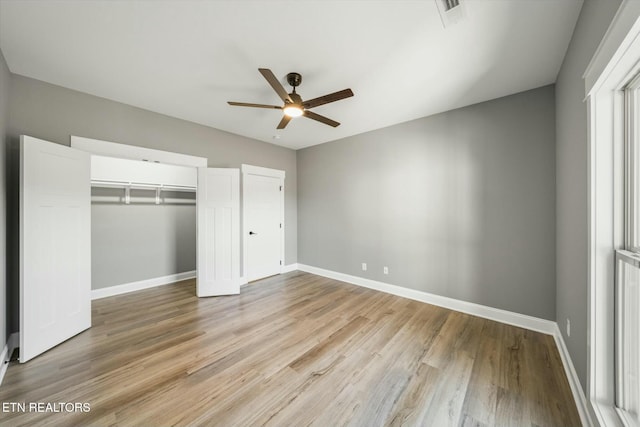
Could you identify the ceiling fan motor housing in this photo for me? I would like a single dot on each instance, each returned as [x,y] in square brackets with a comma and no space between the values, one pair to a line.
[295,98]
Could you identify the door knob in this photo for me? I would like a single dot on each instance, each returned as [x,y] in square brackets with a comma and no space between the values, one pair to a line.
[251,233]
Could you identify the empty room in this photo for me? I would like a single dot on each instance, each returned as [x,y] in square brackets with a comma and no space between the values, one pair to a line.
[320,213]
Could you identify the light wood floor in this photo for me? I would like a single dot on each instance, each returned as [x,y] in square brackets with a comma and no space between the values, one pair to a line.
[293,350]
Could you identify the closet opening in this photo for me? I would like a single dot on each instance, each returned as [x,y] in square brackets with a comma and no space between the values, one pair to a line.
[143,216]
[141,235]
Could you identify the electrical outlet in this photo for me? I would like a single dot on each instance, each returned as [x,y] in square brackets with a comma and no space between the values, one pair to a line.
[385,270]
[568,327]
[364,266]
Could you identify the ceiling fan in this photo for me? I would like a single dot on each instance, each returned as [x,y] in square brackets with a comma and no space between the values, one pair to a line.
[294,106]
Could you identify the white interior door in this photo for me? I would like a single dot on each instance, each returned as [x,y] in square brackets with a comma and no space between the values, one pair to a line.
[263,227]
[55,245]
[218,223]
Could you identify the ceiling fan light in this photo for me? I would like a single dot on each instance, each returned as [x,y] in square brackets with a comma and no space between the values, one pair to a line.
[293,111]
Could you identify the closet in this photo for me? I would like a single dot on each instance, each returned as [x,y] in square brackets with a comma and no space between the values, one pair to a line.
[55,226]
[143,224]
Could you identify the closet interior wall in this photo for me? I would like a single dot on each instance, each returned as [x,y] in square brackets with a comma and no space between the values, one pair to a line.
[140,240]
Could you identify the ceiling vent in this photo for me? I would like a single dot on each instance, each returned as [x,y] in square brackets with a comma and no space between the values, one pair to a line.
[451,11]
[450,4]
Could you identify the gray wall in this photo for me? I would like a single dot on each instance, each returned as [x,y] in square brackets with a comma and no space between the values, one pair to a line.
[54,113]
[162,238]
[4,116]
[572,178]
[460,204]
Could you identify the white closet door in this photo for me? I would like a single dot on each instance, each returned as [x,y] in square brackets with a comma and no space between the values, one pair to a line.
[55,245]
[218,256]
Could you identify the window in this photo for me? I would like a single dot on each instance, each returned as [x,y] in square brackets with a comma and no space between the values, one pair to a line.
[627,293]
[612,68]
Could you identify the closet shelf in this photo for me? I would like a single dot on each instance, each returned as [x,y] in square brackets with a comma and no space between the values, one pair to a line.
[128,186]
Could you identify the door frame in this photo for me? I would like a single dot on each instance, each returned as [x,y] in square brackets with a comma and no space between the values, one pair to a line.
[271,173]
[134,152]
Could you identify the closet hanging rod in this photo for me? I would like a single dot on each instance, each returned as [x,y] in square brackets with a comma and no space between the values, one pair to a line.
[141,186]
[147,201]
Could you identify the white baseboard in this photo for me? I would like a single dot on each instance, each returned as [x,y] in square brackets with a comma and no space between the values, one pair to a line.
[243,280]
[289,268]
[572,377]
[516,319]
[12,342]
[142,284]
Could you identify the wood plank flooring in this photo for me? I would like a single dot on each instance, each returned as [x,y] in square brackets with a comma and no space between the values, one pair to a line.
[293,350]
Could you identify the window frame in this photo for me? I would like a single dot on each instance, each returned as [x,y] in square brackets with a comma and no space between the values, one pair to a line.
[632,165]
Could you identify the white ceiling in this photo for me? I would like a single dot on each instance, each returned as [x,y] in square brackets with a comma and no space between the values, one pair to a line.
[187,58]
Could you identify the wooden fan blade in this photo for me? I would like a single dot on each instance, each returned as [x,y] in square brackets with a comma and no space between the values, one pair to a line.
[244,104]
[321,119]
[284,122]
[275,84]
[332,97]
